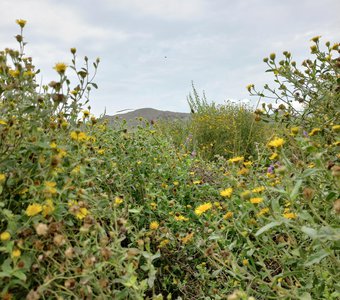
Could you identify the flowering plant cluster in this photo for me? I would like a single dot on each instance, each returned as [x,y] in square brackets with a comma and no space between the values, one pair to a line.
[91,211]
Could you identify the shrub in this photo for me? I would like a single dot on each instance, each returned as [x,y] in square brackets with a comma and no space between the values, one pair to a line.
[227,130]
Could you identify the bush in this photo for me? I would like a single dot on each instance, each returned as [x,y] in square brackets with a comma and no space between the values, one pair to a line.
[226,130]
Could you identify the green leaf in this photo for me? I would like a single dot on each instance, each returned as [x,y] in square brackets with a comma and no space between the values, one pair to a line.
[295,192]
[316,258]
[305,296]
[4,274]
[309,231]
[6,266]
[135,210]
[267,227]
[20,275]
[276,205]
[28,110]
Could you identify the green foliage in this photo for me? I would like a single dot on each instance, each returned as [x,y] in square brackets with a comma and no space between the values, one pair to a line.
[308,97]
[89,211]
[226,130]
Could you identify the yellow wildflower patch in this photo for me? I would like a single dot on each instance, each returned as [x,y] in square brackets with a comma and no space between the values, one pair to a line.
[60,67]
[259,189]
[78,136]
[336,128]
[5,236]
[21,22]
[163,243]
[314,131]
[118,200]
[243,171]
[181,218]
[50,187]
[33,209]
[263,211]
[2,178]
[256,200]
[273,156]
[16,253]
[227,192]
[236,159]
[154,225]
[203,208]
[228,215]
[187,238]
[276,143]
[48,207]
[290,215]
[81,213]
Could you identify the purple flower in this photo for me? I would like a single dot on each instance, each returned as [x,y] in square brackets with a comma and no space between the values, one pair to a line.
[271,169]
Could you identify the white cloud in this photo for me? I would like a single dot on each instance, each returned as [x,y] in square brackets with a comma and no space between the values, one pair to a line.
[163,9]
[58,22]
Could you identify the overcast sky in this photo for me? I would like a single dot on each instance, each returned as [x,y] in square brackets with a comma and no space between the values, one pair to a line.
[151,50]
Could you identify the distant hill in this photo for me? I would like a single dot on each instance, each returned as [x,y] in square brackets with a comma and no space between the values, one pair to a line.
[149,114]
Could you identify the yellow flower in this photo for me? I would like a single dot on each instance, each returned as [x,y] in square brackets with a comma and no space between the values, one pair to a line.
[60,67]
[228,215]
[86,113]
[336,128]
[175,183]
[5,236]
[2,178]
[314,131]
[62,153]
[50,187]
[3,122]
[28,73]
[118,200]
[256,200]
[33,209]
[154,225]
[249,87]
[259,189]
[21,22]
[187,238]
[14,73]
[82,213]
[47,208]
[181,218]
[78,136]
[273,156]
[290,215]
[243,171]
[294,130]
[276,143]
[197,182]
[75,170]
[236,159]
[227,192]
[247,163]
[245,262]
[203,208]
[153,205]
[16,253]
[263,211]
[163,243]
[53,145]
[101,151]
